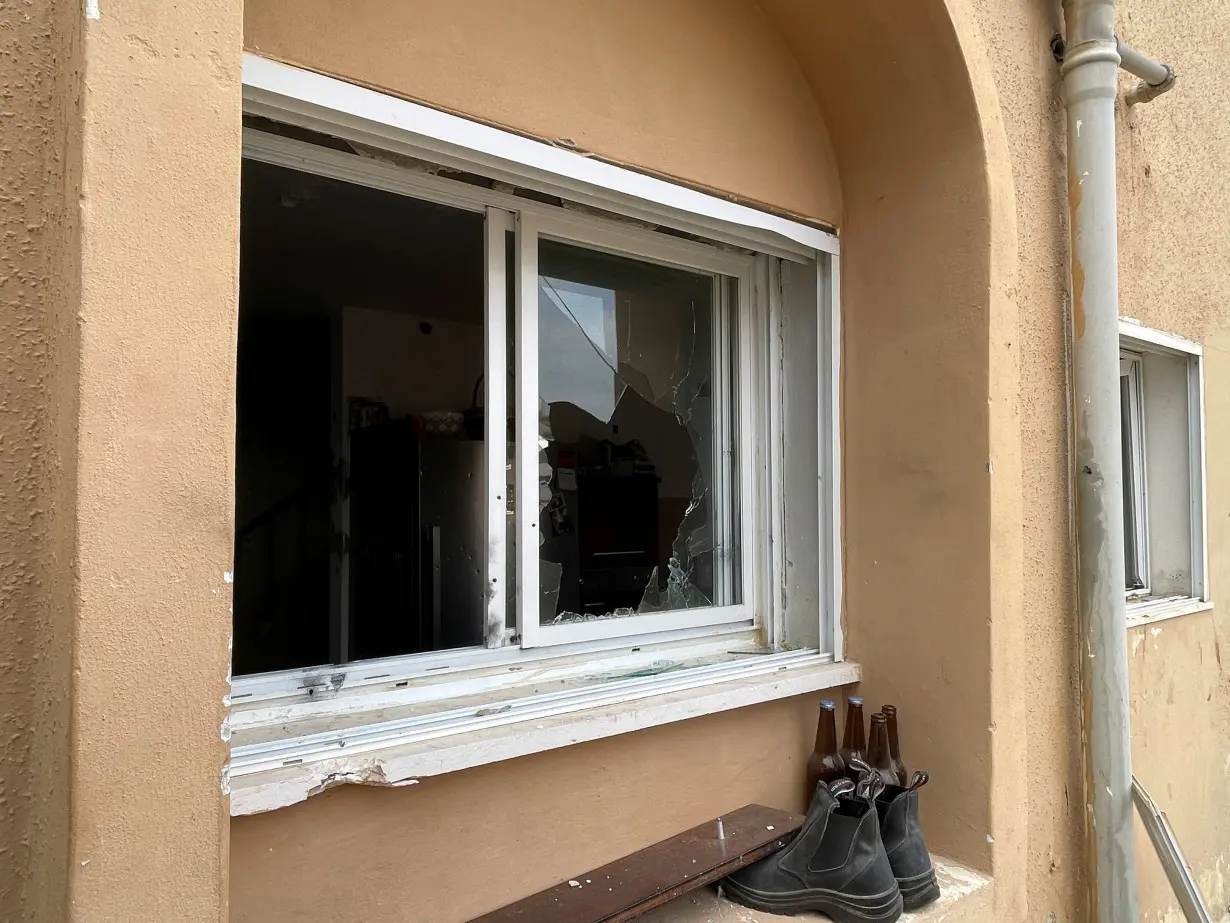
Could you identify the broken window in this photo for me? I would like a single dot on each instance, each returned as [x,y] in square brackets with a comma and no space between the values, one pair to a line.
[635,410]
[379,383]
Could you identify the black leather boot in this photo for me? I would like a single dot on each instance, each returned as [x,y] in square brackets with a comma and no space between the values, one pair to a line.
[897,808]
[836,865]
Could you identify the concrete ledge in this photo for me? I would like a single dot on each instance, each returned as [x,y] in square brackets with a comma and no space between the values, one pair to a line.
[966,897]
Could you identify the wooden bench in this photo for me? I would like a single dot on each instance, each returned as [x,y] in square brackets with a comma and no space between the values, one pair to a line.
[648,878]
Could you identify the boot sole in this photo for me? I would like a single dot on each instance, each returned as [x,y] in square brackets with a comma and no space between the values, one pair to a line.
[919,891]
[885,907]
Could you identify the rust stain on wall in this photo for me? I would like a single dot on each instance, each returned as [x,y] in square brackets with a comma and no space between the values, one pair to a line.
[1075,194]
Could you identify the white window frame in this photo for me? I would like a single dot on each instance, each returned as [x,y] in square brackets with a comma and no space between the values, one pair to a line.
[1131,367]
[534,227]
[1136,343]
[289,95]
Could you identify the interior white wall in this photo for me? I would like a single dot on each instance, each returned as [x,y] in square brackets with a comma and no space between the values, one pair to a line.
[1167,473]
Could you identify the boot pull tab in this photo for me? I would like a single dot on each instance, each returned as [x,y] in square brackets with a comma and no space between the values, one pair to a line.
[864,783]
[875,787]
[920,779]
[859,766]
[841,787]
[869,786]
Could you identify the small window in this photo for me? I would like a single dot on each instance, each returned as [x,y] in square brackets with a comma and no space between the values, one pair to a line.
[1162,414]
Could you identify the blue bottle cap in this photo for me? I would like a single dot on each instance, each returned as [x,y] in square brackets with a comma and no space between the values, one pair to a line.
[856,700]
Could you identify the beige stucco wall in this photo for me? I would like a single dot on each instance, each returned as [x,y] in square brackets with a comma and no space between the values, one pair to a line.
[1173,199]
[701,90]
[459,845]
[955,505]
[39,85]
[1174,228]
[159,213]
[1017,36]
[949,194]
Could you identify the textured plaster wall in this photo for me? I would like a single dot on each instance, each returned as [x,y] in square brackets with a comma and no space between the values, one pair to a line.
[158,311]
[949,148]
[456,846]
[1174,229]
[1017,35]
[701,90]
[916,432]
[1174,202]
[40,72]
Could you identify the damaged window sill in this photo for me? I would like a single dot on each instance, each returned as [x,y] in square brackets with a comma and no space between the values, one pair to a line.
[1147,611]
[283,755]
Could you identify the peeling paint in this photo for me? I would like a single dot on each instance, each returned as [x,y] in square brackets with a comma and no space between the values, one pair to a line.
[92,11]
[359,772]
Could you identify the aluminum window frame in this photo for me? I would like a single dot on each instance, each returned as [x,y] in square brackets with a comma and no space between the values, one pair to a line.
[738,421]
[1136,530]
[324,104]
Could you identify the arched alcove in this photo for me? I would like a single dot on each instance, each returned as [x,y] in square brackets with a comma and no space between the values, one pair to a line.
[930,470]
[874,118]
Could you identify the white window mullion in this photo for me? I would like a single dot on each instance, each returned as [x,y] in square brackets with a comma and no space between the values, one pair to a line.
[495,421]
[528,438]
[828,428]
[723,449]
[1196,468]
[753,557]
[774,439]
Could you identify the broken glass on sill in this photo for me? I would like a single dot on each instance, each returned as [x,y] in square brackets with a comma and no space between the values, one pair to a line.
[636,384]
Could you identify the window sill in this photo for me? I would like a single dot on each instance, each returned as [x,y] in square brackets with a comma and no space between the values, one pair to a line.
[270,774]
[1147,611]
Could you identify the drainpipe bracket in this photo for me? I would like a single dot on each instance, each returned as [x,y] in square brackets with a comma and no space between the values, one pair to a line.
[1093,51]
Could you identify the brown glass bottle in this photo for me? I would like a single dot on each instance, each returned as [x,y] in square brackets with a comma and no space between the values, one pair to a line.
[854,737]
[878,757]
[894,745]
[825,763]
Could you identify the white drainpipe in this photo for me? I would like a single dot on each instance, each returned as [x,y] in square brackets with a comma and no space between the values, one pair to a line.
[1090,69]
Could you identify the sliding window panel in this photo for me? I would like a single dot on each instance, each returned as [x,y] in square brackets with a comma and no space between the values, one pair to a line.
[634,418]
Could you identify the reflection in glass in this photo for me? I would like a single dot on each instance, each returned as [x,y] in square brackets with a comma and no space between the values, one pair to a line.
[636,467]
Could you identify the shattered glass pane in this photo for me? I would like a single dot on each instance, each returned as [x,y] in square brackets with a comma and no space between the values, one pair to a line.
[637,464]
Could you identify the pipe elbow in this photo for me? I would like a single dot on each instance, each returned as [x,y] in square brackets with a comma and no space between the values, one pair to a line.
[1145,92]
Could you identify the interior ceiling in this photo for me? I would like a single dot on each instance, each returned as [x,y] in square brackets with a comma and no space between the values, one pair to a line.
[311,243]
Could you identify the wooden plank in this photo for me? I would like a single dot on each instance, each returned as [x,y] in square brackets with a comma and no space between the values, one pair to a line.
[648,878]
